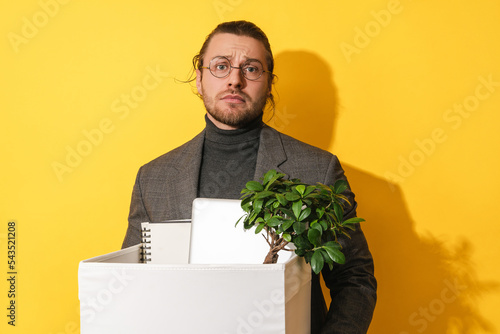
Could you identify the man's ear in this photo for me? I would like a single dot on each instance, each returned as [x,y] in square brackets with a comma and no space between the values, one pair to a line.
[198,82]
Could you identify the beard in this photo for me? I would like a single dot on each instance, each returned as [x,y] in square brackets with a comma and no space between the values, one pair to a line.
[233,114]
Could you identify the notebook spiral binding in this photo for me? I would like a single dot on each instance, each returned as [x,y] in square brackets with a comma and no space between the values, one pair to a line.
[146,245]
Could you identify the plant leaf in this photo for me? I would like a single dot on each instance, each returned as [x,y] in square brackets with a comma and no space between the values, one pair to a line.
[301,242]
[264,194]
[351,227]
[259,228]
[287,237]
[239,220]
[300,252]
[273,180]
[297,208]
[287,223]
[281,198]
[257,205]
[320,212]
[271,201]
[314,236]
[274,221]
[300,188]
[354,220]
[338,211]
[252,217]
[317,261]
[333,244]
[340,186]
[326,257]
[308,256]
[304,214]
[254,186]
[287,212]
[292,197]
[245,204]
[309,190]
[324,224]
[268,176]
[335,254]
[316,226]
[299,227]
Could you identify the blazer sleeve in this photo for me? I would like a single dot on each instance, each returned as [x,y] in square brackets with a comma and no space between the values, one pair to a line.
[352,285]
[137,215]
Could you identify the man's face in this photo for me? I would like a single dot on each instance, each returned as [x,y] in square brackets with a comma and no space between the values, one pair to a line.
[234,101]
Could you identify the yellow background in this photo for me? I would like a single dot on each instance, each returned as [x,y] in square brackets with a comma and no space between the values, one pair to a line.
[375,82]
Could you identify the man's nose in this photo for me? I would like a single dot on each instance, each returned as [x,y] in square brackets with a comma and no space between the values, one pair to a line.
[235,78]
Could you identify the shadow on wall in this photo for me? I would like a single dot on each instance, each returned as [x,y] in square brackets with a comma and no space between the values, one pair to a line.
[306,98]
[425,284]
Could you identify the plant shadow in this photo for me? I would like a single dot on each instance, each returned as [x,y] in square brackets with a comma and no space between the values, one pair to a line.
[424,284]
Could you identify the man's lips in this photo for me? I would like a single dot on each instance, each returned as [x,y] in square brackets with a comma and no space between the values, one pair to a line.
[233,98]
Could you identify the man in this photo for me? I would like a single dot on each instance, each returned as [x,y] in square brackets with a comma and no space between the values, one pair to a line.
[234,76]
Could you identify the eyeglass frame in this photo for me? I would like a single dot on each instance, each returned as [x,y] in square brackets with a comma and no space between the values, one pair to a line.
[237,67]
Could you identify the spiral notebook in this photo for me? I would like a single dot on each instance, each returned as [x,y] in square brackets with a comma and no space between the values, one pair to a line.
[166,242]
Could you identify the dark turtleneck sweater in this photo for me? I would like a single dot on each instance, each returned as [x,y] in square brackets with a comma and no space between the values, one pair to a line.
[229,159]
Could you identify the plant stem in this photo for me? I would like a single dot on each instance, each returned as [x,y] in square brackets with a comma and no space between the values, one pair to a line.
[272,255]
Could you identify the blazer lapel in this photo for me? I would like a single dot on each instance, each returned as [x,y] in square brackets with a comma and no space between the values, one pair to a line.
[185,183]
[271,152]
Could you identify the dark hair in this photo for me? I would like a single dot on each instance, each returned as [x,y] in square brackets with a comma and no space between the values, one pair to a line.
[240,28]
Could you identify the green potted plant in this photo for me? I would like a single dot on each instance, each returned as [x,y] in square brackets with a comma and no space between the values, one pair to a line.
[289,211]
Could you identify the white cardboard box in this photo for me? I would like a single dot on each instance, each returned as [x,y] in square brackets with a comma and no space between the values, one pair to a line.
[120,295]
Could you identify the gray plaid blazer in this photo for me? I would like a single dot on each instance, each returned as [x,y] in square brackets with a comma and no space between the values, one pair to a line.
[166,187]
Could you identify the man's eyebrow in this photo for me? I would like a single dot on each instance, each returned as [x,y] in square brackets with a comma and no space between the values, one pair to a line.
[246,58]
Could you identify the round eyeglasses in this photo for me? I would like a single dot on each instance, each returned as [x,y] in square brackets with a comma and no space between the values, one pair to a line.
[220,67]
